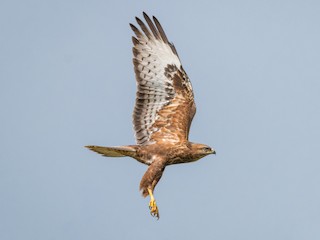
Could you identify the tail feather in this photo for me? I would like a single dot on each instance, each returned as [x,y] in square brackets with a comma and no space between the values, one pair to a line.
[121,151]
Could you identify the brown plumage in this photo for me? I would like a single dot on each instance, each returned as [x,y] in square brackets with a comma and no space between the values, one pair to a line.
[163,111]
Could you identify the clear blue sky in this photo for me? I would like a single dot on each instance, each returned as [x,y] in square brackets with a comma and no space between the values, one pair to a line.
[67,81]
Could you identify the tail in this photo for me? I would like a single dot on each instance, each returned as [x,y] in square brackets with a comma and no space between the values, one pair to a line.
[121,151]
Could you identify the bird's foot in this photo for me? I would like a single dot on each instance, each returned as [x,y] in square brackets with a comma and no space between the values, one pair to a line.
[154,208]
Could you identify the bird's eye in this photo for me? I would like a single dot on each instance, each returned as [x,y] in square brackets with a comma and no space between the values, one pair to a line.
[207,149]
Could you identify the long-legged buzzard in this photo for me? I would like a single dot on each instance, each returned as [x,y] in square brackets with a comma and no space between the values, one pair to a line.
[163,110]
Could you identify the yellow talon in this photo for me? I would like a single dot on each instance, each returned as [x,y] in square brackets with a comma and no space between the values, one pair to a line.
[153,205]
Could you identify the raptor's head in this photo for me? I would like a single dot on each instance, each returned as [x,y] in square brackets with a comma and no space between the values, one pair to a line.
[201,150]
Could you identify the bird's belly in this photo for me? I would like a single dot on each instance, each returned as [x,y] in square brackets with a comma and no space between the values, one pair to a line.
[180,160]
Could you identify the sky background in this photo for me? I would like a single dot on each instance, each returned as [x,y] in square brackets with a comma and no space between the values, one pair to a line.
[67,81]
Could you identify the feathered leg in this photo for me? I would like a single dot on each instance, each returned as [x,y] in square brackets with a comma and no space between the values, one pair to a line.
[148,183]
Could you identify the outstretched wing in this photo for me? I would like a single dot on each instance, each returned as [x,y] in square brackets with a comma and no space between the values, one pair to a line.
[164,105]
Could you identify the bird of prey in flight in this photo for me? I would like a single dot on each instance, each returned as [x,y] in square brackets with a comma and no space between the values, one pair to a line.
[163,111]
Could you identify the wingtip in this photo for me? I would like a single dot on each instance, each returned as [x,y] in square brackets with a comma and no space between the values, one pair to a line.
[133,27]
[135,41]
[155,19]
[138,20]
[145,15]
